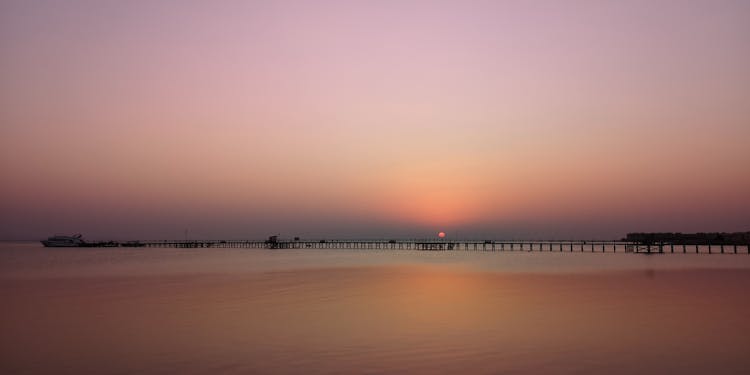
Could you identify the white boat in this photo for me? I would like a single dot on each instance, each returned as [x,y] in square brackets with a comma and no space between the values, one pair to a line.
[64,241]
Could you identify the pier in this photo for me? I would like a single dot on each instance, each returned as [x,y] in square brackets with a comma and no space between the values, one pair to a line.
[561,246]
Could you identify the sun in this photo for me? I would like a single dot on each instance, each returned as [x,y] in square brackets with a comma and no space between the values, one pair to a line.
[441,234]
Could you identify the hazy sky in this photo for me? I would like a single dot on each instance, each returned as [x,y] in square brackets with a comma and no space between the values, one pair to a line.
[504,119]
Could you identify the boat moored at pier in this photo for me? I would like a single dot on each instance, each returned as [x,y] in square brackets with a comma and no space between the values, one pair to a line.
[64,241]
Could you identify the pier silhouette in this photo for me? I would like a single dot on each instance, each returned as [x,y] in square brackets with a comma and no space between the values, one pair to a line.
[562,246]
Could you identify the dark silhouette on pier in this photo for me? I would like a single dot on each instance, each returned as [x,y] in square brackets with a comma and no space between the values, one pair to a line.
[736,238]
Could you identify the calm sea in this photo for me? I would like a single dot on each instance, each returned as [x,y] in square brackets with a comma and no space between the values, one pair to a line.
[120,311]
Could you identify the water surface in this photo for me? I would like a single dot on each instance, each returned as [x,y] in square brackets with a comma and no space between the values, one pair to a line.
[343,311]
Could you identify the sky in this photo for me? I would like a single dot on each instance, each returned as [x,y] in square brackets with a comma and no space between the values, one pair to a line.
[373,119]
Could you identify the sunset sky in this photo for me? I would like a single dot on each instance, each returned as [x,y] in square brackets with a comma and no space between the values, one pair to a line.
[501,119]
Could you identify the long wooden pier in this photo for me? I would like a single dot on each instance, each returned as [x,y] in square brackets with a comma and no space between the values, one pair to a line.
[448,245]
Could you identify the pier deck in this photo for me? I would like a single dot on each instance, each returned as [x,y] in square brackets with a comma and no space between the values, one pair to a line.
[446,245]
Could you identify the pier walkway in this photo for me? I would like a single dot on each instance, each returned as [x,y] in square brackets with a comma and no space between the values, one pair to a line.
[447,245]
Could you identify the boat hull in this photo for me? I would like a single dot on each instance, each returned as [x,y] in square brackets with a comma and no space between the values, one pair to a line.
[59,244]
